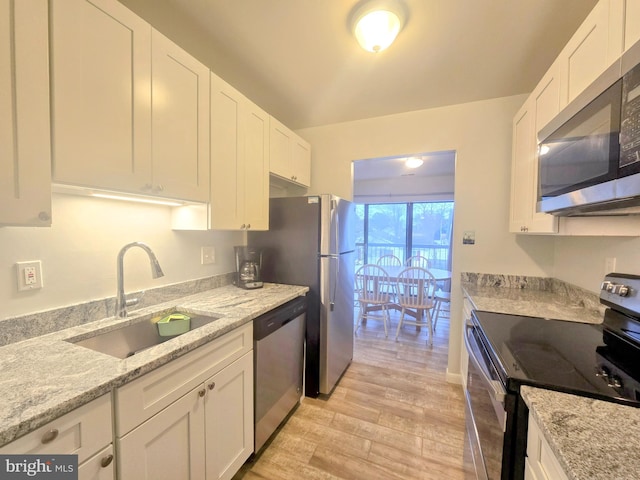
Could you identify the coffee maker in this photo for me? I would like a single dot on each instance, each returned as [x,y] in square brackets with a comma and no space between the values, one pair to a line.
[248,266]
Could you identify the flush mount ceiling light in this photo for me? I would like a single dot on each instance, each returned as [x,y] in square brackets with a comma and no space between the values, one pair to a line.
[413,162]
[376,23]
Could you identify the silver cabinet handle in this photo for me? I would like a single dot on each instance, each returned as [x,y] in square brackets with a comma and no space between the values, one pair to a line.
[212,385]
[202,393]
[106,461]
[50,436]
[44,216]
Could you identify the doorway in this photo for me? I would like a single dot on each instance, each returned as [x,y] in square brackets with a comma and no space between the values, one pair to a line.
[405,207]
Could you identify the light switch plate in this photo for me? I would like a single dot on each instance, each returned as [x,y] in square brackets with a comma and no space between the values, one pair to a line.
[29,275]
[208,255]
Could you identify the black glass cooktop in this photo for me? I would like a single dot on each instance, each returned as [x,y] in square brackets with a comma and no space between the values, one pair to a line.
[552,354]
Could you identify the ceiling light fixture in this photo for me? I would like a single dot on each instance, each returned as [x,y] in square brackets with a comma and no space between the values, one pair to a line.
[376,23]
[413,162]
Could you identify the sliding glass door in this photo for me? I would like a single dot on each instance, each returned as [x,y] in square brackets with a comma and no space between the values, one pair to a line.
[405,230]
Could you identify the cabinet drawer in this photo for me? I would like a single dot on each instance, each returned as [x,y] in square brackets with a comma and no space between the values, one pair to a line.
[99,467]
[83,431]
[142,398]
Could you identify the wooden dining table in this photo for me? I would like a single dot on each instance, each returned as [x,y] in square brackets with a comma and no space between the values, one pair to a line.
[394,271]
[439,274]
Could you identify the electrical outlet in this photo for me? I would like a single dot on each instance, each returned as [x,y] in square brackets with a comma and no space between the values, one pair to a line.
[29,275]
[208,255]
[609,265]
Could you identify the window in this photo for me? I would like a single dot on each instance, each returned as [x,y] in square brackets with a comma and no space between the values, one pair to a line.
[405,230]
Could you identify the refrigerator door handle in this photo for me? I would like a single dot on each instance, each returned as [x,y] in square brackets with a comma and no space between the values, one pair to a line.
[332,302]
[336,222]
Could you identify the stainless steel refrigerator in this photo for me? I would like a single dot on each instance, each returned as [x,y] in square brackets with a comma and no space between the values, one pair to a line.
[310,242]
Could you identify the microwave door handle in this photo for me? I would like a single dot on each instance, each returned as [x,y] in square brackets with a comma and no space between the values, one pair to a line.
[495,387]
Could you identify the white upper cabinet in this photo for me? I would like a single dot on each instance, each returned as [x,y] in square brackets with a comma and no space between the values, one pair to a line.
[101,95]
[256,167]
[595,46]
[25,157]
[631,23]
[524,164]
[290,155]
[239,160]
[546,97]
[179,122]
[130,108]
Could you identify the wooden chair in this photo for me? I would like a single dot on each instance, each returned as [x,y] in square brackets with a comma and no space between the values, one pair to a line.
[372,283]
[440,297]
[389,261]
[418,261]
[416,297]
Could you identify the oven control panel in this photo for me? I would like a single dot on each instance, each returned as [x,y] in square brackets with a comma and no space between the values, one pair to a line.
[615,377]
[621,290]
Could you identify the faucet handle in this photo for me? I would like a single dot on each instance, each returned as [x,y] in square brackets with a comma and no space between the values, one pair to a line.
[130,302]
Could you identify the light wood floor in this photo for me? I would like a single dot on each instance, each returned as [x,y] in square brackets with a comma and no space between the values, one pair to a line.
[391,416]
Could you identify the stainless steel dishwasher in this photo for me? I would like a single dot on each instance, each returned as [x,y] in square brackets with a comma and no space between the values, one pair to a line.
[278,361]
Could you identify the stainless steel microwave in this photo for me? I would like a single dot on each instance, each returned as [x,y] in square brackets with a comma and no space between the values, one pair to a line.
[589,158]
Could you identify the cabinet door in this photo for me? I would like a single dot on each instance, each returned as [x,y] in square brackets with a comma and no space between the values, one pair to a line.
[99,467]
[168,445]
[256,167]
[596,44]
[521,195]
[301,161]
[280,138]
[541,461]
[631,23]
[229,419]
[180,122]
[547,98]
[227,206]
[101,95]
[25,158]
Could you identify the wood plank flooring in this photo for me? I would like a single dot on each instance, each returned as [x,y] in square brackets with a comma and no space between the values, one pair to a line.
[392,416]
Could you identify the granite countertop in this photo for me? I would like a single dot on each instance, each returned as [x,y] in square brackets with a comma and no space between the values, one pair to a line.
[533,302]
[45,377]
[593,440]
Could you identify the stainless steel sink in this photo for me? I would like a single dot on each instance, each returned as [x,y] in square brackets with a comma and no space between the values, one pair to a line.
[126,341]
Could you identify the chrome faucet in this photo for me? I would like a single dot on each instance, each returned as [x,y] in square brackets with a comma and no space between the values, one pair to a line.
[156,272]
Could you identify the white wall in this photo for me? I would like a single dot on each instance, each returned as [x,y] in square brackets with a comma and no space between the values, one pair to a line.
[480,133]
[79,251]
[581,261]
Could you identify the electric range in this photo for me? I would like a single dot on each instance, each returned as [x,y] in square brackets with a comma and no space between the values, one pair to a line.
[507,351]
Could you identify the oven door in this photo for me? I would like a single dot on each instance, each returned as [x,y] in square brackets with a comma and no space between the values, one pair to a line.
[486,415]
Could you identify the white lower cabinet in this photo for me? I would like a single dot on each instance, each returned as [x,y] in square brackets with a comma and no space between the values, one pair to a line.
[229,419]
[167,446]
[540,463]
[85,431]
[191,418]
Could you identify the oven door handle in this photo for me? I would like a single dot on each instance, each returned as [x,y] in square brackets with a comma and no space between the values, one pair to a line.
[496,389]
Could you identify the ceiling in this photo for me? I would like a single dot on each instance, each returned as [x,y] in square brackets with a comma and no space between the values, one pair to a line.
[435,164]
[298,60]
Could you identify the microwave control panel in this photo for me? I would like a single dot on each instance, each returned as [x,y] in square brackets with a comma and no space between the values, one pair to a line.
[630,124]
